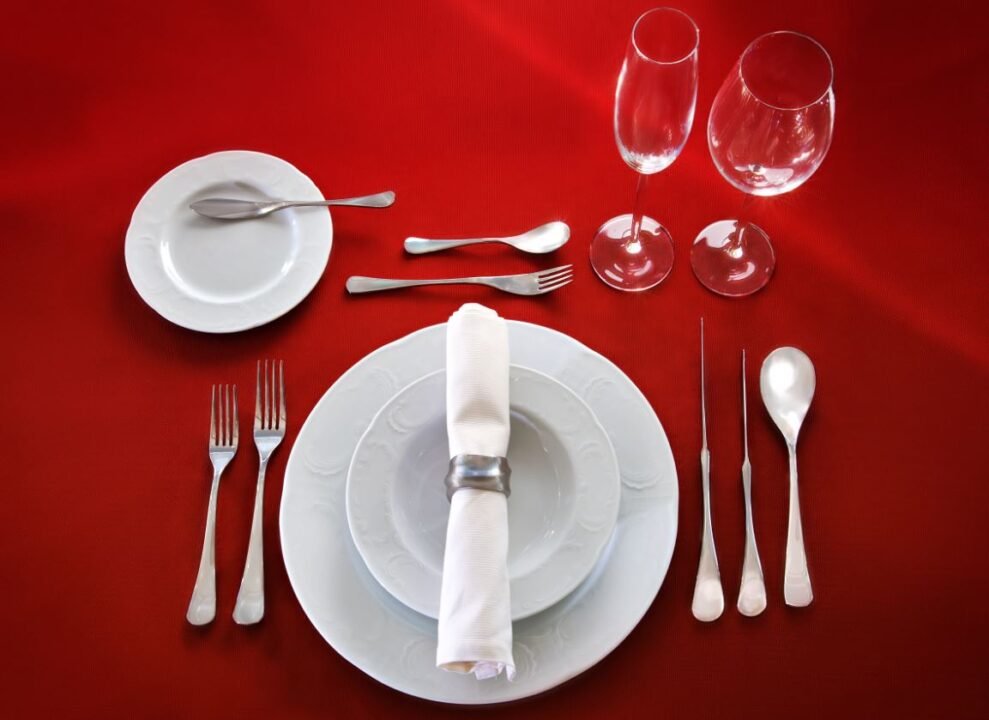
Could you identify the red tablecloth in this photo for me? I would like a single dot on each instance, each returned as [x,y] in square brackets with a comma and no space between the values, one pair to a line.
[493,117]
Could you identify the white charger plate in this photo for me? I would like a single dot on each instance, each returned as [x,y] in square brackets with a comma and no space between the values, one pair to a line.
[562,510]
[223,276]
[397,645]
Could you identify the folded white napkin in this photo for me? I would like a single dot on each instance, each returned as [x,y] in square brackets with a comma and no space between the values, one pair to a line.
[475,622]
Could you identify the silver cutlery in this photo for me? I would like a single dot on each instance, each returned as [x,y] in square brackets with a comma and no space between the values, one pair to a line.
[234,209]
[543,239]
[223,437]
[752,591]
[787,382]
[709,598]
[535,283]
[269,429]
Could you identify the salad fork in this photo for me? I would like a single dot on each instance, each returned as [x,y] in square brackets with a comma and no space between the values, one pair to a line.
[223,438]
[535,283]
[269,429]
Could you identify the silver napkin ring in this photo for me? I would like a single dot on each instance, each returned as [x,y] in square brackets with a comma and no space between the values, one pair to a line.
[481,472]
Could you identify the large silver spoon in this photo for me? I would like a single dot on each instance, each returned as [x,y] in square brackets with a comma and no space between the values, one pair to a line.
[543,239]
[232,209]
[787,382]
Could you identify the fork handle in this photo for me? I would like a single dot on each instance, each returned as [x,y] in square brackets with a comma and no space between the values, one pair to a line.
[360,284]
[202,606]
[250,598]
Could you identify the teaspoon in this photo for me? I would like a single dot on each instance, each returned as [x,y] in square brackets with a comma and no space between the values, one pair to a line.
[787,381]
[233,209]
[543,239]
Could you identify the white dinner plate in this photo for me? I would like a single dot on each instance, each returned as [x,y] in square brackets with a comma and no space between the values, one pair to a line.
[397,645]
[224,276]
[563,505]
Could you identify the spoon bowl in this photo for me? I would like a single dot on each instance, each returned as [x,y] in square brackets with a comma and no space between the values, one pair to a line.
[787,382]
[543,239]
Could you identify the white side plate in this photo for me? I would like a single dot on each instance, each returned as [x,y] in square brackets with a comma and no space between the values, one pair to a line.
[562,510]
[224,276]
[397,645]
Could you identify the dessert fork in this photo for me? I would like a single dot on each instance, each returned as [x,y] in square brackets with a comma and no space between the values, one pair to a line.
[222,448]
[269,429]
[535,283]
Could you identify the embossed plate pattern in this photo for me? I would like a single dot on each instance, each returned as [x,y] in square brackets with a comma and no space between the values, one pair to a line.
[563,507]
[397,645]
[217,276]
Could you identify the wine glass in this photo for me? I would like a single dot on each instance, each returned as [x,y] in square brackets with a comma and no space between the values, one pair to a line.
[654,111]
[769,130]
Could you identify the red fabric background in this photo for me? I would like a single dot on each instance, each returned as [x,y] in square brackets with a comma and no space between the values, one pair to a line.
[490,117]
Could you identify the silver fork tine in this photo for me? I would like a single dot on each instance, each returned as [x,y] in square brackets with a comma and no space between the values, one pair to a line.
[549,277]
[267,399]
[220,422]
[235,418]
[226,415]
[553,271]
[212,415]
[556,276]
[257,399]
[281,394]
[555,286]
[273,418]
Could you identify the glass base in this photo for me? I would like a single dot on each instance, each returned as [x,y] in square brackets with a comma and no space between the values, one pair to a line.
[632,266]
[733,258]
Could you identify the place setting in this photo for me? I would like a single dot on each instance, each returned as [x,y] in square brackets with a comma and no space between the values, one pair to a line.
[466,502]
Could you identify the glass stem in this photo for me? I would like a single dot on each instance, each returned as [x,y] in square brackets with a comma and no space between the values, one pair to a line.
[633,238]
[735,244]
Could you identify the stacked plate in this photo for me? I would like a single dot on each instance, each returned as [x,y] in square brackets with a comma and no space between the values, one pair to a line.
[592,517]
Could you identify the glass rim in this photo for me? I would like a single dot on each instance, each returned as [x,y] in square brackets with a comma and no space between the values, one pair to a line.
[795,108]
[647,58]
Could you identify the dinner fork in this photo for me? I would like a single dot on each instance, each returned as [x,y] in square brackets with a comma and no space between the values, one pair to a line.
[535,283]
[269,429]
[223,438]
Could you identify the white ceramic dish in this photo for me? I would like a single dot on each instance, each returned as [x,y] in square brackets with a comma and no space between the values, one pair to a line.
[217,276]
[397,645]
[562,510]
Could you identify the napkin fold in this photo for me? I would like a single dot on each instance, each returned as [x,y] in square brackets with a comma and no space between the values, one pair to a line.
[475,621]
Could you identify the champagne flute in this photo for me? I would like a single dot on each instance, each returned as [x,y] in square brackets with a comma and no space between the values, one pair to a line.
[769,130]
[654,111]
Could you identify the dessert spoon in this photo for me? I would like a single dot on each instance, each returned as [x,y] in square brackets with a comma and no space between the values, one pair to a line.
[787,381]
